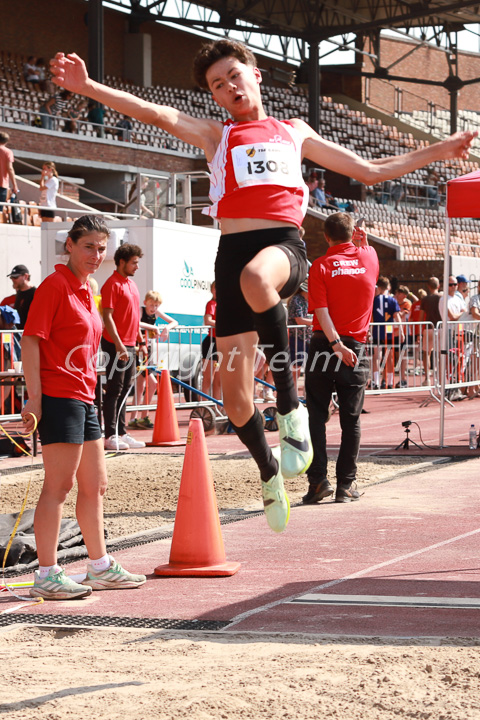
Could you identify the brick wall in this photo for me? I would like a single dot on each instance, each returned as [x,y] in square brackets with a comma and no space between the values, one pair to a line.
[429,63]
[115,153]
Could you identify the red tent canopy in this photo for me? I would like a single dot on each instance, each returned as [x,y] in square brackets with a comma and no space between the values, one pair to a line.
[463,196]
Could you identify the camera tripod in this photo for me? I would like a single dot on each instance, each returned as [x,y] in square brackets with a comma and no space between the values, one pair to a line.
[405,444]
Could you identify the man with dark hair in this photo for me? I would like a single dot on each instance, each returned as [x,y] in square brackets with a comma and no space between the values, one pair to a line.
[341,286]
[259,196]
[121,315]
[20,278]
[7,173]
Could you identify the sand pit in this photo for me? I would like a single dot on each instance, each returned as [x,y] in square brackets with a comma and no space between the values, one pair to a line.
[143,489]
[75,673]
[58,673]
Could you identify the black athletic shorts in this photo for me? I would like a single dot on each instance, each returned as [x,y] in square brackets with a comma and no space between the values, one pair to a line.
[209,349]
[65,420]
[236,250]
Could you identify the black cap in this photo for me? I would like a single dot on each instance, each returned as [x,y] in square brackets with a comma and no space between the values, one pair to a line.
[19,270]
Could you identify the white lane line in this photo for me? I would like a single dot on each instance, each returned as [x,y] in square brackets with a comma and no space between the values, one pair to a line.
[388,601]
[360,573]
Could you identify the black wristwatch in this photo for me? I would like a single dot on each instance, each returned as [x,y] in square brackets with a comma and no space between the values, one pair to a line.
[334,342]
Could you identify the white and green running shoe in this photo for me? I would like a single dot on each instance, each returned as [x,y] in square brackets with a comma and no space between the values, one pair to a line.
[275,499]
[295,443]
[113,578]
[57,586]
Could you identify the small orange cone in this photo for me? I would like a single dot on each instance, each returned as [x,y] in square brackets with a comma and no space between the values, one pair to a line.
[197,543]
[165,429]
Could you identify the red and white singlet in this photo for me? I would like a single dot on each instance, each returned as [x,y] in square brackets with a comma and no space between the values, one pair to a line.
[256,172]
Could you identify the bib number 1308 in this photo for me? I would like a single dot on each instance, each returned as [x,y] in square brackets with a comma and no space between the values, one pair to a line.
[266,163]
[259,167]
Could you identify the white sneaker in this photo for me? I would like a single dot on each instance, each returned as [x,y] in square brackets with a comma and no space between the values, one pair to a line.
[268,395]
[295,443]
[130,442]
[115,443]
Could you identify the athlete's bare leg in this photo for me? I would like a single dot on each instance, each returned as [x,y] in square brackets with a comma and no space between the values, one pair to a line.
[237,354]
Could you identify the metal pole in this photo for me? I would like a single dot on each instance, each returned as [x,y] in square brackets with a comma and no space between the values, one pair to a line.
[443,340]
[314,86]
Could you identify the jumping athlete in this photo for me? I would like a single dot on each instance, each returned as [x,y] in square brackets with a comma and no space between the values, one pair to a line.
[259,197]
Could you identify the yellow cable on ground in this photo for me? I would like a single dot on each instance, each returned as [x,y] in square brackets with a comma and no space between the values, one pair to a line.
[17,523]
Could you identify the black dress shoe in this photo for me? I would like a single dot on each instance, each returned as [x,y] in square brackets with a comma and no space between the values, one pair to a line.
[317,492]
[346,493]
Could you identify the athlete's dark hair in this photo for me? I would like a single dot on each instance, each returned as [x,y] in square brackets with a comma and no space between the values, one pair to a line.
[126,252]
[339,227]
[217,50]
[87,224]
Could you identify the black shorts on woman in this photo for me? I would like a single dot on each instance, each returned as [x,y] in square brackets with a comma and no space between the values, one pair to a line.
[235,250]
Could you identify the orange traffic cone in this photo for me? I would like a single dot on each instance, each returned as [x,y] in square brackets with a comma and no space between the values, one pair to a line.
[165,429]
[197,543]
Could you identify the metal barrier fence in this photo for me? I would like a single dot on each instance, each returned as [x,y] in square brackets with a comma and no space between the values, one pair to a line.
[402,358]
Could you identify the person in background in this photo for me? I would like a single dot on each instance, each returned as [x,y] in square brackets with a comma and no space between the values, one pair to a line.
[74,114]
[337,360]
[148,323]
[124,129]
[417,330]
[299,339]
[121,316]
[401,347]
[20,277]
[49,184]
[210,376]
[59,342]
[385,310]
[462,290]
[96,114]
[7,173]
[30,70]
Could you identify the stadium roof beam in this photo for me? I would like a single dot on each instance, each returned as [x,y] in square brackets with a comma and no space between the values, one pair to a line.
[307,23]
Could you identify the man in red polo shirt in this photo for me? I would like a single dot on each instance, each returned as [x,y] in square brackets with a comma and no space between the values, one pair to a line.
[121,315]
[341,287]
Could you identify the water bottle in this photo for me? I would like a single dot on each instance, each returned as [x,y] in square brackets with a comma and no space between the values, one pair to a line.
[472,438]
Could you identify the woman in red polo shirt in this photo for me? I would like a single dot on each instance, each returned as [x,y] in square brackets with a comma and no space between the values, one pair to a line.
[59,349]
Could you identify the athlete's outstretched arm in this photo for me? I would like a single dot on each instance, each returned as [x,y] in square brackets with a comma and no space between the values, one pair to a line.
[70,72]
[337,158]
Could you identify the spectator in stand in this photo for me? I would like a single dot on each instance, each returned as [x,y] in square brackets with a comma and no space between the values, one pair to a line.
[430,313]
[321,197]
[7,173]
[96,114]
[74,114]
[42,74]
[121,315]
[124,129]
[49,184]
[30,70]
[47,113]
[25,291]
[432,189]
[151,313]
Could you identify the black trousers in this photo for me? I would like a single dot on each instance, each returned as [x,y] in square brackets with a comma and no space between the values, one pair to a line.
[120,375]
[324,375]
